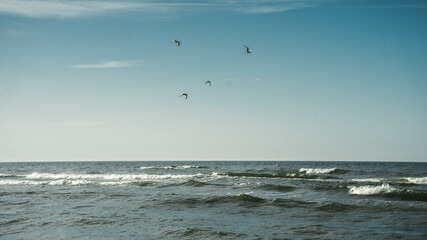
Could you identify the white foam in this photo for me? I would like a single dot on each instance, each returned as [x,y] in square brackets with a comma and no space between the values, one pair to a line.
[116,183]
[317,170]
[367,180]
[6,175]
[117,177]
[21,182]
[369,190]
[70,182]
[61,182]
[172,167]
[422,180]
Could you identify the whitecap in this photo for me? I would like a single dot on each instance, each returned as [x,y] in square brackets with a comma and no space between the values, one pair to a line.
[70,182]
[421,180]
[369,190]
[21,182]
[117,177]
[317,170]
[367,180]
[173,167]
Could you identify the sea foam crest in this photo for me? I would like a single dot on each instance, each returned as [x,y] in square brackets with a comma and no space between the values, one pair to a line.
[2,175]
[173,167]
[60,182]
[369,190]
[421,180]
[21,182]
[317,170]
[121,177]
[367,179]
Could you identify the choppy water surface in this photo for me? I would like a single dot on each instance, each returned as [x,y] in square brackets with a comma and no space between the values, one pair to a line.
[213,200]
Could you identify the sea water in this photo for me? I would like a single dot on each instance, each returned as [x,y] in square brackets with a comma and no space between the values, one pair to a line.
[213,200]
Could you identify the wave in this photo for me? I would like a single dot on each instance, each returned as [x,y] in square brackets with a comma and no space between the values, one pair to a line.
[9,175]
[215,200]
[60,182]
[121,177]
[198,233]
[408,194]
[278,188]
[421,180]
[413,180]
[337,207]
[174,167]
[323,170]
[189,183]
[385,190]
[276,175]
[291,203]
[367,180]
[369,190]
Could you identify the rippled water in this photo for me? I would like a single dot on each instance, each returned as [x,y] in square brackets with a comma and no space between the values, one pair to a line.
[213,200]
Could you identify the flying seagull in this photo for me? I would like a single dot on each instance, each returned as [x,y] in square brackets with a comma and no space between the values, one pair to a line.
[247,49]
[177,42]
[208,82]
[185,95]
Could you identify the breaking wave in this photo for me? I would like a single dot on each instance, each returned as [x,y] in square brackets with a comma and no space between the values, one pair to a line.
[387,191]
[60,182]
[121,177]
[173,167]
[323,170]
[8,175]
[367,180]
[369,190]
[421,180]
[276,175]
[413,180]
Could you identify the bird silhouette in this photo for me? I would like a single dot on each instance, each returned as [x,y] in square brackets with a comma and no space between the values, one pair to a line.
[177,42]
[208,82]
[185,95]
[247,49]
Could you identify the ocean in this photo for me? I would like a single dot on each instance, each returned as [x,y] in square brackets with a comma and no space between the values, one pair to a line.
[213,200]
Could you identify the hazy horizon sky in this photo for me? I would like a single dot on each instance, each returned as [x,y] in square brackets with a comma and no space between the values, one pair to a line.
[100,80]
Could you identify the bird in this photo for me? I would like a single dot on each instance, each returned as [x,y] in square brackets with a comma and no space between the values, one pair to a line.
[247,49]
[177,42]
[185,95]
[208,82]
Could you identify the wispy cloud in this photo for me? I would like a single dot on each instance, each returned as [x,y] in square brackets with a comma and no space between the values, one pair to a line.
[108,64]
[419,6]
[77,8]
[63,8]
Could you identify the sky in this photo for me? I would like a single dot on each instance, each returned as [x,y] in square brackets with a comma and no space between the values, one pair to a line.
[326,80]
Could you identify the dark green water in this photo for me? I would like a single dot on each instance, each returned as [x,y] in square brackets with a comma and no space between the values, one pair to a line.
[213,200]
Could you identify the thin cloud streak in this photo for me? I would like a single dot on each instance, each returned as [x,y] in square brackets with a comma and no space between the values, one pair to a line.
[393,6]
[70,9]
[109,64]
[62,9]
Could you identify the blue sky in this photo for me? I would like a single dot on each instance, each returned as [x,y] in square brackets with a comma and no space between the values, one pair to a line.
[100,80]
